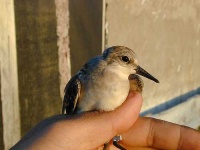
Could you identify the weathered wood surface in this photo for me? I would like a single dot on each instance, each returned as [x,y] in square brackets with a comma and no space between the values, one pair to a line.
[37,54]
[9,78]
[1,119]
[62,14]
[85,31]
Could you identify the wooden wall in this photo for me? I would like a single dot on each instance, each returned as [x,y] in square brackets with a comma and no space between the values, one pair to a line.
[85,31]
[36,36]
[37,55]
[9,77]
[1,119]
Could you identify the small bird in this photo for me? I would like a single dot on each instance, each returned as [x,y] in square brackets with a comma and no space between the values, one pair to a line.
[104,83]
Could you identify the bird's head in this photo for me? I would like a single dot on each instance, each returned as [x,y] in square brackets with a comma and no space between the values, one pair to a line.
[125,60]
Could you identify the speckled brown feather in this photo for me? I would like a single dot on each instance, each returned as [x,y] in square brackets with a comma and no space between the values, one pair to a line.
[136,83]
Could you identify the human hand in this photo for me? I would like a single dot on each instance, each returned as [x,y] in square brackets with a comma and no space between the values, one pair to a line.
[91,130]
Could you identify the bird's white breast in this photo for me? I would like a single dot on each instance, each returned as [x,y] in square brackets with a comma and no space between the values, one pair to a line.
[105,92]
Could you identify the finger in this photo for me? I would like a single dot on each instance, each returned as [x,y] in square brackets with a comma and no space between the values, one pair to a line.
[149,132]
[93,129]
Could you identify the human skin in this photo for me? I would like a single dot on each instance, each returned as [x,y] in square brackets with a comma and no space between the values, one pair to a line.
[92,129]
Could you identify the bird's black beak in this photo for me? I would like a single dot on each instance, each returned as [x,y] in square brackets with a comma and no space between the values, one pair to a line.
[144,73]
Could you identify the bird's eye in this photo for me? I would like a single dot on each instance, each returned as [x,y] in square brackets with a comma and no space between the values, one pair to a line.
[125,59]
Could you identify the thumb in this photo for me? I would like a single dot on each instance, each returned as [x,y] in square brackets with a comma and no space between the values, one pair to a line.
[126,115]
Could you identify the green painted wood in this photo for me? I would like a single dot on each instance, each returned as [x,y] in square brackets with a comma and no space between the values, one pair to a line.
[37,55]
[85,32]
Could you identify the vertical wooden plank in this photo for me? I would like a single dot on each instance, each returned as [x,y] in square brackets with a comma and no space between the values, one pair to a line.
[37,54]
[104,25]
[9,77]
[1,119]
[62,14]
[85,32]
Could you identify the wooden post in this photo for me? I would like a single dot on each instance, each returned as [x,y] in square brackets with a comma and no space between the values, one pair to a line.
[9,77]
[80,32]
[85,31]
[1,118]
[37,54]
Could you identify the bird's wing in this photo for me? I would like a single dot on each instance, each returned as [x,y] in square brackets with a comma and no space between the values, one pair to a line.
[72,93]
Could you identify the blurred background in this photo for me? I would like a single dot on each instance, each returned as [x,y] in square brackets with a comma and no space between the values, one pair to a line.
[44,42]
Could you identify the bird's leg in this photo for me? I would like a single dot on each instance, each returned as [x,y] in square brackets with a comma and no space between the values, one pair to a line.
[116,139]
[105,146]
[136,83]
